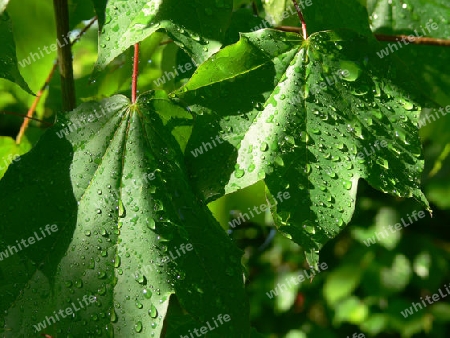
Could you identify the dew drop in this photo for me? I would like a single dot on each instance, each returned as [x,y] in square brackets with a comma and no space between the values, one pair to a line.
[138,326]
[122,211]
[117,261]
[147,293]
[153,312]
[347,184]
[113,316]
[151,223]
[238,173]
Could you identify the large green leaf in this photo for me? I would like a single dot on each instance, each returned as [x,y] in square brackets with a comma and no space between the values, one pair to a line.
[197,27]
[9,68]
[318,105]
[3,4]
[10,152]
[111,177]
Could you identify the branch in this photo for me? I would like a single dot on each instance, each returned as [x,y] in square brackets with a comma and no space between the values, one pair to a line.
[165,42]
[23,115]
[41,91]
[302,19]
[64,54]
[33,106]
[135,73]
[416,41]
[255,8]
[382,37]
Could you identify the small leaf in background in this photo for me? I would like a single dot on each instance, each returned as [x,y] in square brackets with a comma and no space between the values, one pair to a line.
[375,324]
[10,152]
[331,117]
[341,283]
[9,68]
[395,277]
[421,264]
[287,293]
[351,310]
[387,217]
[283,12]
[198,28]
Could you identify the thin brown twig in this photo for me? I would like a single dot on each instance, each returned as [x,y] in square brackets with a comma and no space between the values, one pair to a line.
[383,37]
[41,91]
[417,40]
[135,73]
[302,19]
[23,115]
[165,42]
[33,106]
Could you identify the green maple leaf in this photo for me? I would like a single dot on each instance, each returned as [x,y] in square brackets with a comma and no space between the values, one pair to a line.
[129,230]
[310,118]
